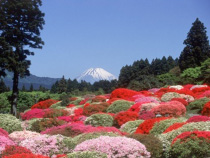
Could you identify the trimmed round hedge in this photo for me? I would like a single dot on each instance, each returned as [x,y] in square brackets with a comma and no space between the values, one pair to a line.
[99,120]
[131,126]
[10,123]
[119,105]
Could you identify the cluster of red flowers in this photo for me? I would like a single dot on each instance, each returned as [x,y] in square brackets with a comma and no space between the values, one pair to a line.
[174,127]
[99,98]
[25,156]
[11,150]
[147,125]
[125,116]
[70,106]
[44,104]
[146,115]
[93,109]
[3,132]
[136,107]
[183,101]
[33,113]
[123,93]
[185,136]
[206,109]
[78,112]
[83,101]
[198,119]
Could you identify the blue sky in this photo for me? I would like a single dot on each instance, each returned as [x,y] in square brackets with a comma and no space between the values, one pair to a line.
[80,34]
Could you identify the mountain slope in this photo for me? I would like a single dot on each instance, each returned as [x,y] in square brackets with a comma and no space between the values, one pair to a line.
[95,74]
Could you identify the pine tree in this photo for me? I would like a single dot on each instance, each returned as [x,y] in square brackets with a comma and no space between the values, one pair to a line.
[23,88]
[31,89]
[197,47]
[3,87]
[20,25]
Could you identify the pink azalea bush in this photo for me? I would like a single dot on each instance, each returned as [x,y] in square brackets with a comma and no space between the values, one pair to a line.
[148,106]
[172,108]
[147,100]
[33,113]
[4,141]
[19,136]
[198,119]
[47,145]
[3,132]
[115,147]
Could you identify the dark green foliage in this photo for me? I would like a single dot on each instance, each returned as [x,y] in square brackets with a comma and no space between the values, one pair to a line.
[125,76]
[197,47]
[152,144]
[107,86]
[64,99]
[20,25]
[31,88]
[191,75]
[197,105]
[3,87]
[205,71]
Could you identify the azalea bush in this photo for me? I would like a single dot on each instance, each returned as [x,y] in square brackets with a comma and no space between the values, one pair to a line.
[170,95]
[44,104]
[174,126]
[191,144]
[14,149]
[123,93]
[160,127]
[10,123]
[23,155]
[148,106]
[198,118]
[152,144]
[125,116]
[183,101]
[5,141]
[99,98]
[147,125]
[51,113]
[3,132]
[136,107]
[197,105]
[49,145]
[147,100]
[113,146]
[145,115]
[119,105]
[172,108]
[131,126]
[19,136]
[93,108]
[99,120]
[206,109]
[34,113]
[87,154]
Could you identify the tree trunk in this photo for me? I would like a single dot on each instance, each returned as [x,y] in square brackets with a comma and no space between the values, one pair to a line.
[15,94]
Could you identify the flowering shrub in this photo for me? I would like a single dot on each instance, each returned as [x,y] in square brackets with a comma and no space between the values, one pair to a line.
[131,126]
[3,132]
[44,104]
[186,97]
[148,106]
[65,118]
[204,94]
[78,111]
[125,116]
[99,120]
[119,105]
[174,126]
[10,123]
[170,95]
[4,141]
[48,145]
[19,136]
[178,87]
[70,106]
[198,119]
[147,100]
[191,144]
[206,109]
[161,126]
[87,136]
[34,113]
[99,98]
[172,108]
[152,144]
[25,156]
[51,113]
[83,101]
[147,125]
[73,98]
[14,149]
[87,154]
[43,124]
[113,146]
[154,90]
[145,115]
[110,101]
[123,93]
[197,105]
[135,108]
[183,101]
[93,108]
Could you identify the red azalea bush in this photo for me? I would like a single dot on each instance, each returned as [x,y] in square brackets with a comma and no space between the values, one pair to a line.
[136,107]
[78,112]
[174,127]
[206,109]
[172,108]
[25,156]
[199,91]
[33,113]
[198,119]
[70,106]
[146,115]
[110,101]
[204,94]
[183,101]
[147,125]
[83,101]
[65,118]
[192,135]
[14,149]
[44,104]
[123,93]
[51,113]
[125,116]
[61,156]
[3,132]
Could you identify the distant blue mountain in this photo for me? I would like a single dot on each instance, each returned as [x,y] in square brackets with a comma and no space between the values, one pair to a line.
[46,82]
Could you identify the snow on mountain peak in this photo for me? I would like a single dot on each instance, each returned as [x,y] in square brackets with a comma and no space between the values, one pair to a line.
[95,74]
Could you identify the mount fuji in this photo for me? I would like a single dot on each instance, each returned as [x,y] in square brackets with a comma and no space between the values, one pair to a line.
[95,74]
